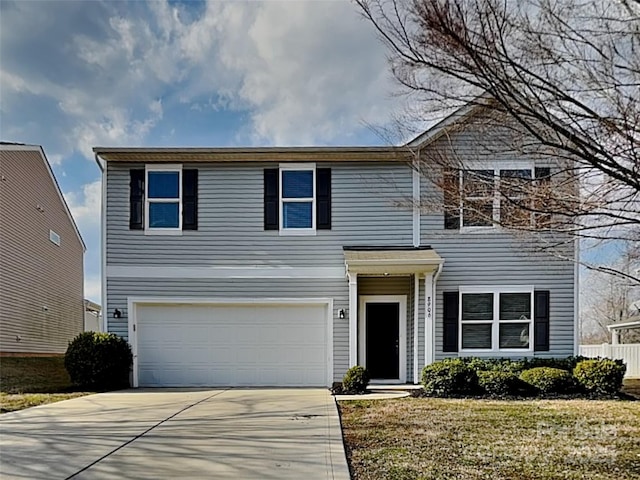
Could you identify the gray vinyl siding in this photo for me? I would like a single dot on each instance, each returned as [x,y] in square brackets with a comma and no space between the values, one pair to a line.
[41,284]
[230,224]
[491,256]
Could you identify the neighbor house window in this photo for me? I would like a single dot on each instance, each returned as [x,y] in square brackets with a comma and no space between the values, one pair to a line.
[54,237]
[163,199]
[496,319]
[297,199]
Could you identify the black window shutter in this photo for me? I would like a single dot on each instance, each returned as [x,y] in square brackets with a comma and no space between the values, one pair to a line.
[450,322]
[323,199]
[542,173]
[189,199]
[541,321]
[136,199]
[271,199]
[451,198]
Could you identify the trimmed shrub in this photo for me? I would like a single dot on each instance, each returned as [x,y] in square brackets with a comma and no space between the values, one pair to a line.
[99,361]
[500,384]
[566,363]
[355,380]
[600,375]
[449,377]
[548,380]
[495,364]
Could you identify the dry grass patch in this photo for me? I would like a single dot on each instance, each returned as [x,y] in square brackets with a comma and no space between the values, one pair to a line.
[29,381]
[424,438]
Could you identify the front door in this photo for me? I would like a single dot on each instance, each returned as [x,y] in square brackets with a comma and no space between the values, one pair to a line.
[382,340]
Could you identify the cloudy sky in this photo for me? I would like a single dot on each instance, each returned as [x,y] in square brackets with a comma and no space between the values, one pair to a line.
[74,75]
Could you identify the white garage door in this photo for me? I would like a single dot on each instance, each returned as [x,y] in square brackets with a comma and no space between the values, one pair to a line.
[232,345]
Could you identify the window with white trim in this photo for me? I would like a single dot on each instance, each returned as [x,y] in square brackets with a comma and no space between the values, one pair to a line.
[494,196]
[54,237]
[496,319]
[163,198]
[297,199]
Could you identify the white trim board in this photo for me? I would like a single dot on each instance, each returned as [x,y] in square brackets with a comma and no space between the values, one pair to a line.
[133,302]
[143,271]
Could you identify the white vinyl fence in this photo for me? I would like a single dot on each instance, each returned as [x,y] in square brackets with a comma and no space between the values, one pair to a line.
[629,353]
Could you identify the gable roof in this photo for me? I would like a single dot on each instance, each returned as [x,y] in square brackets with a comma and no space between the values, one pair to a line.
[19,147]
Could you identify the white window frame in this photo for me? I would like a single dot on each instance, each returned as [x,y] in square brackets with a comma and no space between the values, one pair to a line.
[162,168]
[496,322]
[54,238]
[281,201]
[496,167]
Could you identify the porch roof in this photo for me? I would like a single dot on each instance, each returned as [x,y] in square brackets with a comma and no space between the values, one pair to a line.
[391,260]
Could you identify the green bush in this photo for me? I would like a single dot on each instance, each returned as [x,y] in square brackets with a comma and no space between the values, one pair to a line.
[565,363]
[500,384]
[495,364]
[355,380]
[548,380]
[449,377]
[600,375]
[99,361]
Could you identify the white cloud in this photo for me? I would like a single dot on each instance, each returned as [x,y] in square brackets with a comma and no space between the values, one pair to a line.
[302,73]
[85,205]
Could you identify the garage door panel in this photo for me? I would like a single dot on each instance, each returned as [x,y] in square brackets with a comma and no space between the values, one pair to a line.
[243,345]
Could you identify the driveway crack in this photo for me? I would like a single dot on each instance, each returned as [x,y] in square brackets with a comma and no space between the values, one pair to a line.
[152,427]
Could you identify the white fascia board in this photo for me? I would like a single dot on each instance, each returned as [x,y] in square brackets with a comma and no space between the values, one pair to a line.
[141,271]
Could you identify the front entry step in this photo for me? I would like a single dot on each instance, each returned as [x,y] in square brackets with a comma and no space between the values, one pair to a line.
[405,387]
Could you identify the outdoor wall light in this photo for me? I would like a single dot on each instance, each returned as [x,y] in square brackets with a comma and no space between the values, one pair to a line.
[117,313]
[341,313]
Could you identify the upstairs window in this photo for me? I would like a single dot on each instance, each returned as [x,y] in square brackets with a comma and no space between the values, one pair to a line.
[488,197]
[297,199]
[163,198]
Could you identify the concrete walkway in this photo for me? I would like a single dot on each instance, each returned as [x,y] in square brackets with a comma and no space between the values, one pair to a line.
[167,434]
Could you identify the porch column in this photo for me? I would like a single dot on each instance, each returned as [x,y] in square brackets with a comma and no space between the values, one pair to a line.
[429,307]
[353,319]
[615,336]
[416,319]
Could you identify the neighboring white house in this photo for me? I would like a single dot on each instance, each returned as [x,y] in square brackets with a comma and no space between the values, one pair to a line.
[92,316]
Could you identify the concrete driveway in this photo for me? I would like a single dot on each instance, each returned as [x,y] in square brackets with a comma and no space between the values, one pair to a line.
[168,434]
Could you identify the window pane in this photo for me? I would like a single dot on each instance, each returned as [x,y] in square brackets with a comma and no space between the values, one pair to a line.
[164,185]
[478,183]
[164,215]
[514,215]
[297,184]
[514,335]
[297,215]
[515,306]
[476,335]
[478,213]
[477,306]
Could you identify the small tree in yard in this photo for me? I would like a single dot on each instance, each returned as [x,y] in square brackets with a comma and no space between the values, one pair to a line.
[561,78]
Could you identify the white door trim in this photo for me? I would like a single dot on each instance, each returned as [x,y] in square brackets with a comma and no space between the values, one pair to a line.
[134,302]
[362,354]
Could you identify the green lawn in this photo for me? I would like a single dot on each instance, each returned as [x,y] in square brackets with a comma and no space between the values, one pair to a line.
[29,381]
[427,438]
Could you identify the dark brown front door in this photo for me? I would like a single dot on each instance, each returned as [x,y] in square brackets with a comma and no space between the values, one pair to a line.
[382,341]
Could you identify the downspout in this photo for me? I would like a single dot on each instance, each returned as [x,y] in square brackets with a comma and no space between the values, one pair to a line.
[103,246]
[433,295]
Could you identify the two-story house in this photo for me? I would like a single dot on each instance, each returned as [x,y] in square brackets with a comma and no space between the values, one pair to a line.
[286,266]
[41,257]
